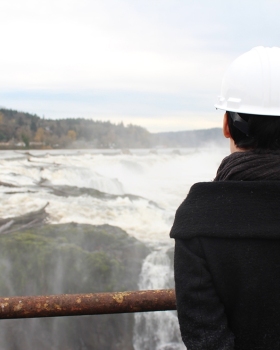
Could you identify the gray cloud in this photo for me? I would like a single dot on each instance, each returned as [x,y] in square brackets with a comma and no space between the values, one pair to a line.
[140,60]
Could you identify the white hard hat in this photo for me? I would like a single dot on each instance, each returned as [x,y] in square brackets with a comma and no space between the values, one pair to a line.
[251,84]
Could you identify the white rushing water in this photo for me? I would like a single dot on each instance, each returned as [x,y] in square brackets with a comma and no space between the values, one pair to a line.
[159,182]
[157,330]
[139,192]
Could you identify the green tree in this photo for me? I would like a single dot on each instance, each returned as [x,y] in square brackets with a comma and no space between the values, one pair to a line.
[33,125]
[25,139]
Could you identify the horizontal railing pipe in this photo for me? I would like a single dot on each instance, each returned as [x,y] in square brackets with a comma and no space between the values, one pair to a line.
[87,304]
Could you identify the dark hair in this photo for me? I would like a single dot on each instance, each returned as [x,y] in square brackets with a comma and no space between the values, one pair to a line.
[263,134]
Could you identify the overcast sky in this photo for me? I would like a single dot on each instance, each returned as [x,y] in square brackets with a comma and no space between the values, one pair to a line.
[158,64]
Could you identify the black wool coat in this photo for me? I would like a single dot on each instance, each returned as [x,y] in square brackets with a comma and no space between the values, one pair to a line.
[227,266]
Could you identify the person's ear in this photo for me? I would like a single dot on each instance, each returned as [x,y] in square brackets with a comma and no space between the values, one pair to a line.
[225,127]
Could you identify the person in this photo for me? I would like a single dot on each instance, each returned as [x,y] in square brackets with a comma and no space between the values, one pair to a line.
[227,232]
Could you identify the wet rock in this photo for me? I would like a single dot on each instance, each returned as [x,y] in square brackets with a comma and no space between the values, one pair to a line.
[126,151]
[69,258]
[176,151]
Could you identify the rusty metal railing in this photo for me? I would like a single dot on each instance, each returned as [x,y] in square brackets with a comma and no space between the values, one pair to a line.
[87,304]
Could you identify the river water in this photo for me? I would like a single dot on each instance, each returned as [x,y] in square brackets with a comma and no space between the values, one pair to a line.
[138,191]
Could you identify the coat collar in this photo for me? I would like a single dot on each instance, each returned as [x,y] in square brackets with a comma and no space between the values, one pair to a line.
[230,209]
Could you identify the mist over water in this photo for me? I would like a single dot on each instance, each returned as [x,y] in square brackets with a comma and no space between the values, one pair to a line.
[157,330]
[138,192]
[158,183]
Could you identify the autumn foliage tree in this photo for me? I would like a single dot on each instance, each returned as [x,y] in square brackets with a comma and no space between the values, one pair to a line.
[18,126]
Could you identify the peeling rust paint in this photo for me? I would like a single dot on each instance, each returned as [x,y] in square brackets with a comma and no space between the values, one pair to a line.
[87,304]
[3,305]
[18,307]
[119,297]
[57,307]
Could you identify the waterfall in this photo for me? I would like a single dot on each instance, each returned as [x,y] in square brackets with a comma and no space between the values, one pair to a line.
[157,330]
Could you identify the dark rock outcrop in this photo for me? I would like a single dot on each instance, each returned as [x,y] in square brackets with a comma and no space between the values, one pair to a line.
[69,258]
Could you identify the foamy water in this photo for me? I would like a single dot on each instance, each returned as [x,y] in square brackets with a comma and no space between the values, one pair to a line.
[138,192]
[159,183]
[157,330]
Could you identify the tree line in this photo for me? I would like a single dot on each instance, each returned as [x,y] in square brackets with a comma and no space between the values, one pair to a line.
[20,129]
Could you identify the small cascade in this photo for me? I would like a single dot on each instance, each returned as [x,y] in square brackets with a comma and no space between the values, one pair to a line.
[157,330]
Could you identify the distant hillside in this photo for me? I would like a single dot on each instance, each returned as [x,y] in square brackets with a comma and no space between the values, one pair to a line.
[191,138]
[24,130]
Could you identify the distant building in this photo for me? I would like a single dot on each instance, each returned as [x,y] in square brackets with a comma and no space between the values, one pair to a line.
[33,143]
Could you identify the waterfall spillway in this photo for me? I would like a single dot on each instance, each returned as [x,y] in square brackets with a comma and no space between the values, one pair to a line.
[157,330]
[138,193]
